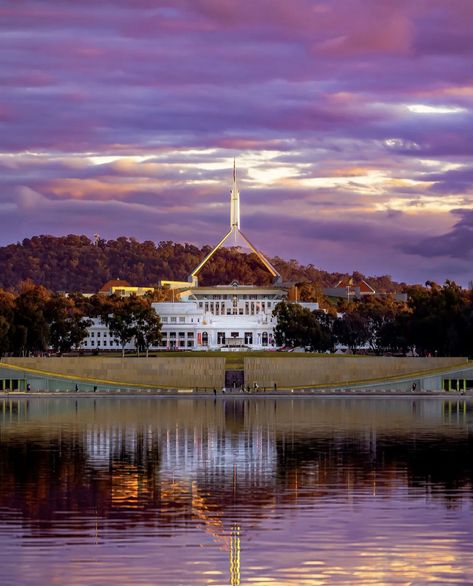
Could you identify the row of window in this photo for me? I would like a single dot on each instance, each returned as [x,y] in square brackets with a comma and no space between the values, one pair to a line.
[173,319]
[244,297]
[110,343]
[179,344]
[181,334]
[92,334]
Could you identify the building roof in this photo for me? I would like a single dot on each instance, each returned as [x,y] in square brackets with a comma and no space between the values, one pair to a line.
[107,287]
[365,288]
[350,282]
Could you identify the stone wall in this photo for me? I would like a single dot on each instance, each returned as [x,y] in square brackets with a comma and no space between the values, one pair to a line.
[295,371]
[176,372]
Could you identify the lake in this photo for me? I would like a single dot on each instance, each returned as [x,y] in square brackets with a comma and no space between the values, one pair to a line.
[227,491]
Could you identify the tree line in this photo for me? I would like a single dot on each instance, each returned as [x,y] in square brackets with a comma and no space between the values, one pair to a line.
[75,263]
[35,320]
[436,320]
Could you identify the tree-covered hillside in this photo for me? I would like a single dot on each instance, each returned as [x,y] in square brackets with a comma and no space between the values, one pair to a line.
[75,263]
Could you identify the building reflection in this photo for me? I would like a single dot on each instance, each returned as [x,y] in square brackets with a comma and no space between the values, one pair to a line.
[223,465]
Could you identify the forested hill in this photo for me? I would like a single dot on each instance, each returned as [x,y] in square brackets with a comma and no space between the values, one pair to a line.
[75,263]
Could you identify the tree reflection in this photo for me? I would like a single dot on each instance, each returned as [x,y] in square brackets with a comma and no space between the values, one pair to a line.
[172,462]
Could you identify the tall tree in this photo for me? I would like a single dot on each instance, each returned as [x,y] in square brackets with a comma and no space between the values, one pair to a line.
[147,325]
[7,304]
[121,321]
[298,326]
[30,330]
[351,330]
[67,323]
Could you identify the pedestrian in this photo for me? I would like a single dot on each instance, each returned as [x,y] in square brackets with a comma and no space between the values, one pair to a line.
[215,391]
[95,388]
[414,387]
[28,387]
[76,388]
[275,387]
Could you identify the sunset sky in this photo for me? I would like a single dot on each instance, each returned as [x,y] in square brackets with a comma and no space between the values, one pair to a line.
[351,122]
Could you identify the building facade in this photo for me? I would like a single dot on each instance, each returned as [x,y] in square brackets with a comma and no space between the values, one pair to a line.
[228,317]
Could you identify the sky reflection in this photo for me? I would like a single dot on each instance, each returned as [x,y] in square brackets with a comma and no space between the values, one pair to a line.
[306,491]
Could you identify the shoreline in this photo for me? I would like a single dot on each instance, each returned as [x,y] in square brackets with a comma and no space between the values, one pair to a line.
[283,394]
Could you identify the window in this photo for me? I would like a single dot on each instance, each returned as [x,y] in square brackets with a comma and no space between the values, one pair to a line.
[205,338]
[182,319]
[182,334]
[201,305]
[92,343]
[173,320]
[190,344]
[172,334]
[182,343]
[92,334]
[221,338]
[164,320]
[190,334]
[98,334]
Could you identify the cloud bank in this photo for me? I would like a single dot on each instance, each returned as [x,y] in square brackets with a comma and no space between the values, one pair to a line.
[351,121]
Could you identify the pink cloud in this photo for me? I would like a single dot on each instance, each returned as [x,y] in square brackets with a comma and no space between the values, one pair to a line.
[317,88]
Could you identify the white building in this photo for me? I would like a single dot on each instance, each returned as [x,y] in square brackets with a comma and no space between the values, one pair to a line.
[225,316]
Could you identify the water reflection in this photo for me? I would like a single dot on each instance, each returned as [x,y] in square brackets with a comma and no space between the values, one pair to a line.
[230,491]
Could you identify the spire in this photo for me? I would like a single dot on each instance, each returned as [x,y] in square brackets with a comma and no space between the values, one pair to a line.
[236,233]
[234,203]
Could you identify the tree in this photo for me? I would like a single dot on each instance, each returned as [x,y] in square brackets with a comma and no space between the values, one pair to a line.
[7,304]
[147,326]
[377,313]
[75,263]
[121,321]
[440,319]
[298,326]
[67,323]
[133,317]
[30,329]
[351,330]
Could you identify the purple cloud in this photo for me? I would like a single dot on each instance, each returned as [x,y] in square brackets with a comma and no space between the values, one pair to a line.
[456,244]
[350,120]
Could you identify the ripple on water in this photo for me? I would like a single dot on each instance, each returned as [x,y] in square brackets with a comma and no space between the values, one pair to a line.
[316,492]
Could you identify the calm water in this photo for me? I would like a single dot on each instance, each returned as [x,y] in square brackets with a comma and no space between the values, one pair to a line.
[236,491]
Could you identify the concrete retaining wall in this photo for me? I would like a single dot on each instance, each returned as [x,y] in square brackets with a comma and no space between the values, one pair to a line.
[288,371]
[163,371]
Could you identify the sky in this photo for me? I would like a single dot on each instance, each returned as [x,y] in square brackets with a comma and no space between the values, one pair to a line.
[350,121]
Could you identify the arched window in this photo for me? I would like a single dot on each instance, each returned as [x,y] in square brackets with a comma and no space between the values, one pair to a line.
[264,339]
[205,339]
